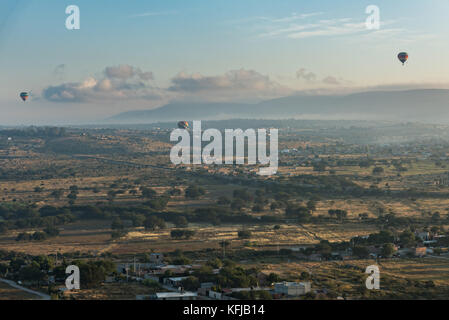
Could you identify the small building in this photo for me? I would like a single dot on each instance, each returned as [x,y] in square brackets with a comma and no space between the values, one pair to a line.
[315,257]
[175,296]
[292,288]
[175,281]
[215,295]
[420,251]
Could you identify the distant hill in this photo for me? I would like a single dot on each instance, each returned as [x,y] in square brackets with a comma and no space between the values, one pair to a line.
[428,105]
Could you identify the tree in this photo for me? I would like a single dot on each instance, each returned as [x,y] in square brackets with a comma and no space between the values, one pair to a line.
[215,263]
[324,248]
[388,250]
[436,217]
[276,205]
[299,212]
[57,194]
[117,224]
[182,234]
[152,284]
[195,192]
[378,171]
[319,166]
[224,201]
[180,222]
[93,273]
[258,208]
[153,223]
[23,237]
[32,273]
[181,261]
[39,236]
[273,278]
[191,283]
[148,193]
[311,205]
[244,195]
[407,238]
[72,196]
[51,231]
[305,275]
[175,192]
[360,252]
[158,204]
[244,234]
[339,214]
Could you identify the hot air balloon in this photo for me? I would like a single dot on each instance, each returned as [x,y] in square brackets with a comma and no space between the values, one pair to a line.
[183,125]
[403,57]
[24,96]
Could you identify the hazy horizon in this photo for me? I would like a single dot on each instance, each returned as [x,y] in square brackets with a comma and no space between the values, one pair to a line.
[145,55]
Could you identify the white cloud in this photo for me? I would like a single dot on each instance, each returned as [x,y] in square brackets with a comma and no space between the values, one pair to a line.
[126,82]
[235,84]
[331,80]
[301,26]
[306,75]
[119,82]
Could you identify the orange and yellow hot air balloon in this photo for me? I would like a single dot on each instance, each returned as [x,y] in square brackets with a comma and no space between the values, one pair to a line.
[183,125]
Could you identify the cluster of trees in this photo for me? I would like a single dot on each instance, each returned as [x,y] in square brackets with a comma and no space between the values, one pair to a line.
[386,240]
[92,273]
[19,216]
[26,267]
[182,234]
[244,234]
[195,192]
[40,132]
[73,195]
[339,214]
[301,213]
[48,232]
[230,275]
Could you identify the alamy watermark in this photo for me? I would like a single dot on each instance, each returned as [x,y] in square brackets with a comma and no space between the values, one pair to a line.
[73,280]
[73,21]
[373,280]
[212,153]
[373,20]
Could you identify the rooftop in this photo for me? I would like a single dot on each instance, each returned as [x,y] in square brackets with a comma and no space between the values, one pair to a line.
[166,295]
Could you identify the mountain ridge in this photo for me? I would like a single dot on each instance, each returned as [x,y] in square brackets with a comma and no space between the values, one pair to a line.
[410,105]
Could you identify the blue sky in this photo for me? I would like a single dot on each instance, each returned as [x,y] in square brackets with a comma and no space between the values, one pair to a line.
[142,54]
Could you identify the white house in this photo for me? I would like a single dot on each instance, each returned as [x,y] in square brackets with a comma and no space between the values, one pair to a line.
[292,288]
[176,296]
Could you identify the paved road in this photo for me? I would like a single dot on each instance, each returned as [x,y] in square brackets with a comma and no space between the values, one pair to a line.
[15,285]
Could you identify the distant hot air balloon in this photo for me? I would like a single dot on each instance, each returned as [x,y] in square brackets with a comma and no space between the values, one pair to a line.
[24,96]
[403,57]
[183,125]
